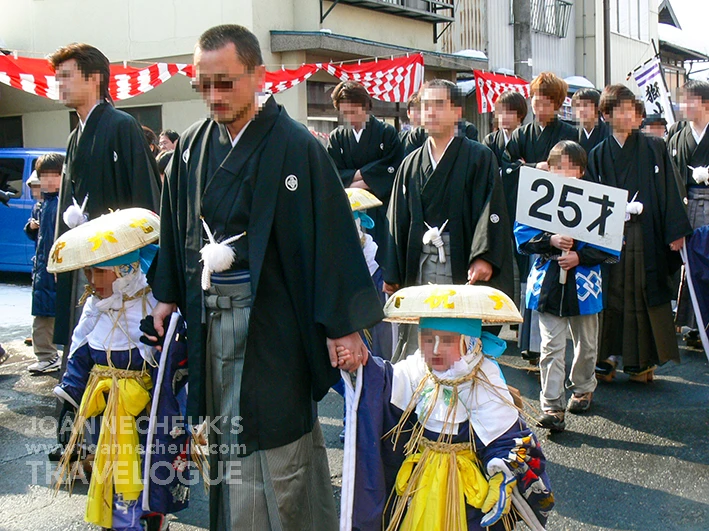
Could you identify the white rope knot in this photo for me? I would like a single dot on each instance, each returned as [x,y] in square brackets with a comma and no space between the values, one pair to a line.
[434,236]
[700,174]
[74,215]
[633,207]
[216,256]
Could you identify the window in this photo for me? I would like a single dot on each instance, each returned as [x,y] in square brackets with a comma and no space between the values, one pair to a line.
[11,132]
[548,16]
[631,18]
[11,171]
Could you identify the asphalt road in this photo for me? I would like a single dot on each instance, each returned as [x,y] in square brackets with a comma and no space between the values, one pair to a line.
[638,460]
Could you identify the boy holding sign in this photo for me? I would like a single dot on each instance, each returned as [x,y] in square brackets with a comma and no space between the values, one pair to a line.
[564,286]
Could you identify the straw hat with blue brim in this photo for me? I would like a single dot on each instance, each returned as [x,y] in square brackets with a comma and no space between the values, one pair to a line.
[437,303]
[362,199]
[105,241]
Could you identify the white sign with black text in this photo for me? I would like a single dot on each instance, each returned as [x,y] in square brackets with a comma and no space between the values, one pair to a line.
[585,211]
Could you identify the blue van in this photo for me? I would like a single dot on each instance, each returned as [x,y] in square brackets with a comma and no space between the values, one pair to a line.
[16,166]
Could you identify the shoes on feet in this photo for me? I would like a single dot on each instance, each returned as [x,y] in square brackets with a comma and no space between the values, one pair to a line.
[44,367]
[579,402]
[641,374]
[552,420]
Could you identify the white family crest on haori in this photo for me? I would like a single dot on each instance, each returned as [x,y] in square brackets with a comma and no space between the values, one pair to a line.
[216,256]
[292,183]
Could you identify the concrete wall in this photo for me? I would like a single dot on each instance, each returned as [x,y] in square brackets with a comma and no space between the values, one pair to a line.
[45,129]
[139,31]
[548,52]
[626,52]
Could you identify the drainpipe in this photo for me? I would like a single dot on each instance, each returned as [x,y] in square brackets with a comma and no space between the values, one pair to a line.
[521,10]
[607,41]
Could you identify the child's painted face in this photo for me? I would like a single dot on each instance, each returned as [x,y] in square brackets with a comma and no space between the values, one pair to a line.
[101,280]
[567,168]
[440,349]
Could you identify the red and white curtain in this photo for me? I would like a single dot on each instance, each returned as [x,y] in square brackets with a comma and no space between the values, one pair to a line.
[489,86]
[393,80]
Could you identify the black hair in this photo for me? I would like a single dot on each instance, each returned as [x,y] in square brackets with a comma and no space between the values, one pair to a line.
[247,46]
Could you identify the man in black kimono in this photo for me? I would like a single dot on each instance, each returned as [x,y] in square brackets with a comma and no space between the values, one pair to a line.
[530,145]
[447,218]
[413,113]
[417,136]
[263,323]
[688,145]
[510,112]
[637,326]
[366,151]
[592,129]
[108,162]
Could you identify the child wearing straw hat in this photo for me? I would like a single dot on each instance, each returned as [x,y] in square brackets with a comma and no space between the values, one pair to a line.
[435,440]
[110,373]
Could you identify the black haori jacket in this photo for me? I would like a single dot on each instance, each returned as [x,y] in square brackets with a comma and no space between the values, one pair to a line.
[465,189]
[664,219]
[110,162]
[309,279]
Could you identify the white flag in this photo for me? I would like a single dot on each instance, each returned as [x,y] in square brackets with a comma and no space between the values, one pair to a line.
[655,95]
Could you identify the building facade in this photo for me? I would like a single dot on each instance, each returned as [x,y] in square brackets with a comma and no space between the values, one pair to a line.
[291,32]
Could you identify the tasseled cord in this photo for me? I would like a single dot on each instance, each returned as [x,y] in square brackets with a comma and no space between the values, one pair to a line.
[216,257]
[74,215]
[198,454]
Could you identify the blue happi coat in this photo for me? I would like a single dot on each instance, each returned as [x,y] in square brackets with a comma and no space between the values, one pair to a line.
[583,292]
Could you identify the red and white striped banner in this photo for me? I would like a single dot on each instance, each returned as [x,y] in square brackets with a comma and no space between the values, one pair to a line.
[392,80]
[489,86]
[37,77]
[285,78]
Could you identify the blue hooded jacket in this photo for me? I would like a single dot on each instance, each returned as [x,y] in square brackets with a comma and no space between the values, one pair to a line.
[43,283]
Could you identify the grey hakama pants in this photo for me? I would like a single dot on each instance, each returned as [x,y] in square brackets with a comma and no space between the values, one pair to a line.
[285,488]
[698,212]
[431,271]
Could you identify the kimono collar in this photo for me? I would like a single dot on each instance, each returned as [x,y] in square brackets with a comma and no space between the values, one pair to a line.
[434,162]
[697,136]
[83,124]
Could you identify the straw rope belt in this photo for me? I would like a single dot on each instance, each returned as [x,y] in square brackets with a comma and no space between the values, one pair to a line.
[120,395]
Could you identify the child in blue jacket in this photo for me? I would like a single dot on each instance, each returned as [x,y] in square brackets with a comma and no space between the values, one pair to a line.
[573,305]
[40,228]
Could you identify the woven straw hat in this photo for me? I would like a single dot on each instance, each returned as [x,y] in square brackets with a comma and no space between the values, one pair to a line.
[362,199]
[490,305]
[104,238]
